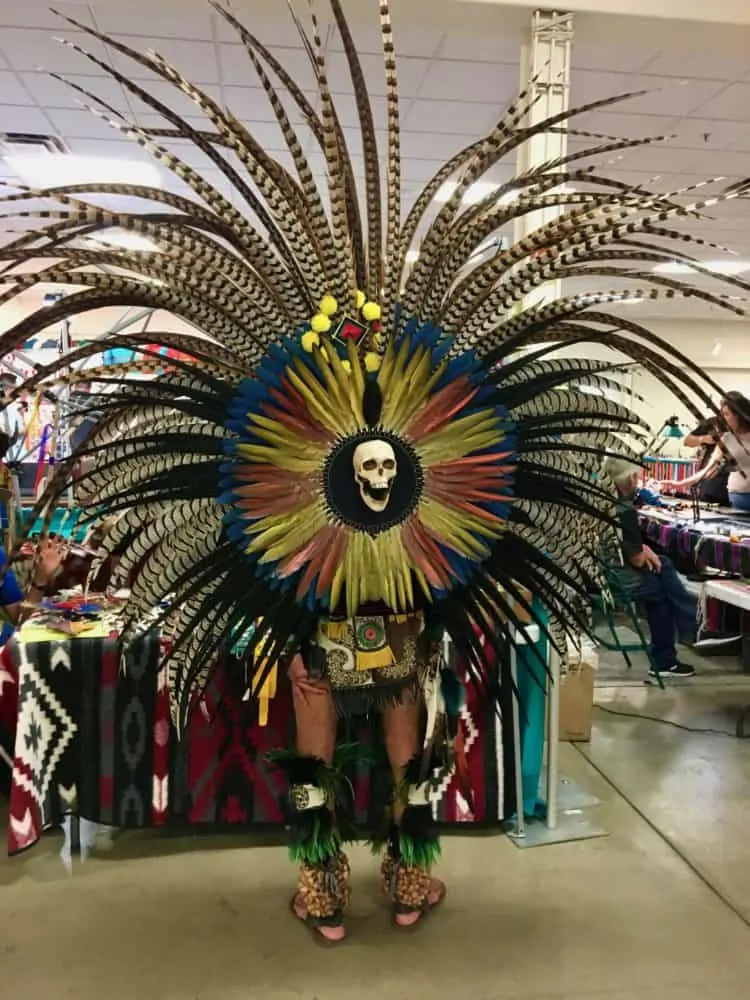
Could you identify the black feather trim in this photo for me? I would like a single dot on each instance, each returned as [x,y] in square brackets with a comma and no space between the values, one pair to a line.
[372,403]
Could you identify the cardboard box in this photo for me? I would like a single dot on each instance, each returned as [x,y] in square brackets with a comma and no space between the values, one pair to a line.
[577,694]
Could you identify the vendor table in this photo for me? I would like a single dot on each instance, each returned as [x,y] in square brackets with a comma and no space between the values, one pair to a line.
[719,540]
[87,740]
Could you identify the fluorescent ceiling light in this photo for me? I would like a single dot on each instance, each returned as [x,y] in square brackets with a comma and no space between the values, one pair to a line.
[717,266]
[124,239]
[716,348]
[42,170]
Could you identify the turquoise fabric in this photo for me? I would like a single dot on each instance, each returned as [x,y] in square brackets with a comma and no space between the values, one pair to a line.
[532,681]
[65,522]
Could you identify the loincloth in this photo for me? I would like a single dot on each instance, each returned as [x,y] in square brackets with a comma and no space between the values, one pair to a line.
[369,660]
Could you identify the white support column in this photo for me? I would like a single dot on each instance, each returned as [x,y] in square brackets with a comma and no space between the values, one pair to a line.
[545,58]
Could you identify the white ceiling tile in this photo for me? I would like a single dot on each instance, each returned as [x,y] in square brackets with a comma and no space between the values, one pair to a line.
[411,42]
[172,98]
[147,119]
[11,91]
[37,14]
[418,170]
[51,93]
[623,126]
[669,159]
[670,96]
[270,31]
[27,48]
[610,56]
[430,145]
[268,135]
[251,104]
[237,68]
[453,117]
[702,63]
[466,81]
[346,108]
[707,133]
[732,103]
[664,96]
[117,20]
[743,142]
[80,124]
[196,61]
[411,73]
[115,147]
[16,119]
[488,47]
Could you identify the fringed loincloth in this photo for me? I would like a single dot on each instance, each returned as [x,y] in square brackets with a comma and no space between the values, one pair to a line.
[369,660]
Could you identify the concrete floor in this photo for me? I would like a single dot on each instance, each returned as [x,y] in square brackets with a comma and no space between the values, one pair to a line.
[638,915]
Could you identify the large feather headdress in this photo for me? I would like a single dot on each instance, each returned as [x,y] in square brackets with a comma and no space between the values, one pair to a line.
[233,470]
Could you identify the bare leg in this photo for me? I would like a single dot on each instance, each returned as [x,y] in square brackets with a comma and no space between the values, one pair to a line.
[315,718]
[401,732]
[314,714]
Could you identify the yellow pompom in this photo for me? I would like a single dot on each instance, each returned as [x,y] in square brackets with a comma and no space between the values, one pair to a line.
[361,299]
[371,311]
[346,365]
[328,305]
[310,340]
[378,340]
[372,361]
[320,323]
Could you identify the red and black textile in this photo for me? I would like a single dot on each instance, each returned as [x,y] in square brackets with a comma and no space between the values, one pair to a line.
[99,744]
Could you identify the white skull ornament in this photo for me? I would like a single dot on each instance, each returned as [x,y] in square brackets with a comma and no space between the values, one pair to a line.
[374,471]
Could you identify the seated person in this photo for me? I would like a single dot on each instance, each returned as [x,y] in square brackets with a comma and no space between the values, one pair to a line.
[79,560]
[652,580]
[49,555]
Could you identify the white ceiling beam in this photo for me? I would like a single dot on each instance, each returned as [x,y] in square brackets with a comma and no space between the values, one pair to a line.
[716,12]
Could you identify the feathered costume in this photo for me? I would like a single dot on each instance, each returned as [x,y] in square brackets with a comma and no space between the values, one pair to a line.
[352,443]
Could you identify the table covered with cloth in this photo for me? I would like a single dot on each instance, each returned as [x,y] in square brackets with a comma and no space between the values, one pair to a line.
[91,741]
[718,540]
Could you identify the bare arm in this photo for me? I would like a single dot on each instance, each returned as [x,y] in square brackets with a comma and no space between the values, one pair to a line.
[708,472]
[699,440]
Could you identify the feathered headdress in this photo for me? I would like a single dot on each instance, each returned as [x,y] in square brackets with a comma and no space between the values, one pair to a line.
[344,427]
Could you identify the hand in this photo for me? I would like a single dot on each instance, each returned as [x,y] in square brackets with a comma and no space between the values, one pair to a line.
[50,555]
[653,562]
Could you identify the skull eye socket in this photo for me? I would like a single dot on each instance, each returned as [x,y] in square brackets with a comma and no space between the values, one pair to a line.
[389,464]
[370,464]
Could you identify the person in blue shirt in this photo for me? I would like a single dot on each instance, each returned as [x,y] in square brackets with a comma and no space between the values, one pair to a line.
[49,557]
[11,597]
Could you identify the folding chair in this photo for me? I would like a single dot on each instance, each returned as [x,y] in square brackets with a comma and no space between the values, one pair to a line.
[616,599]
